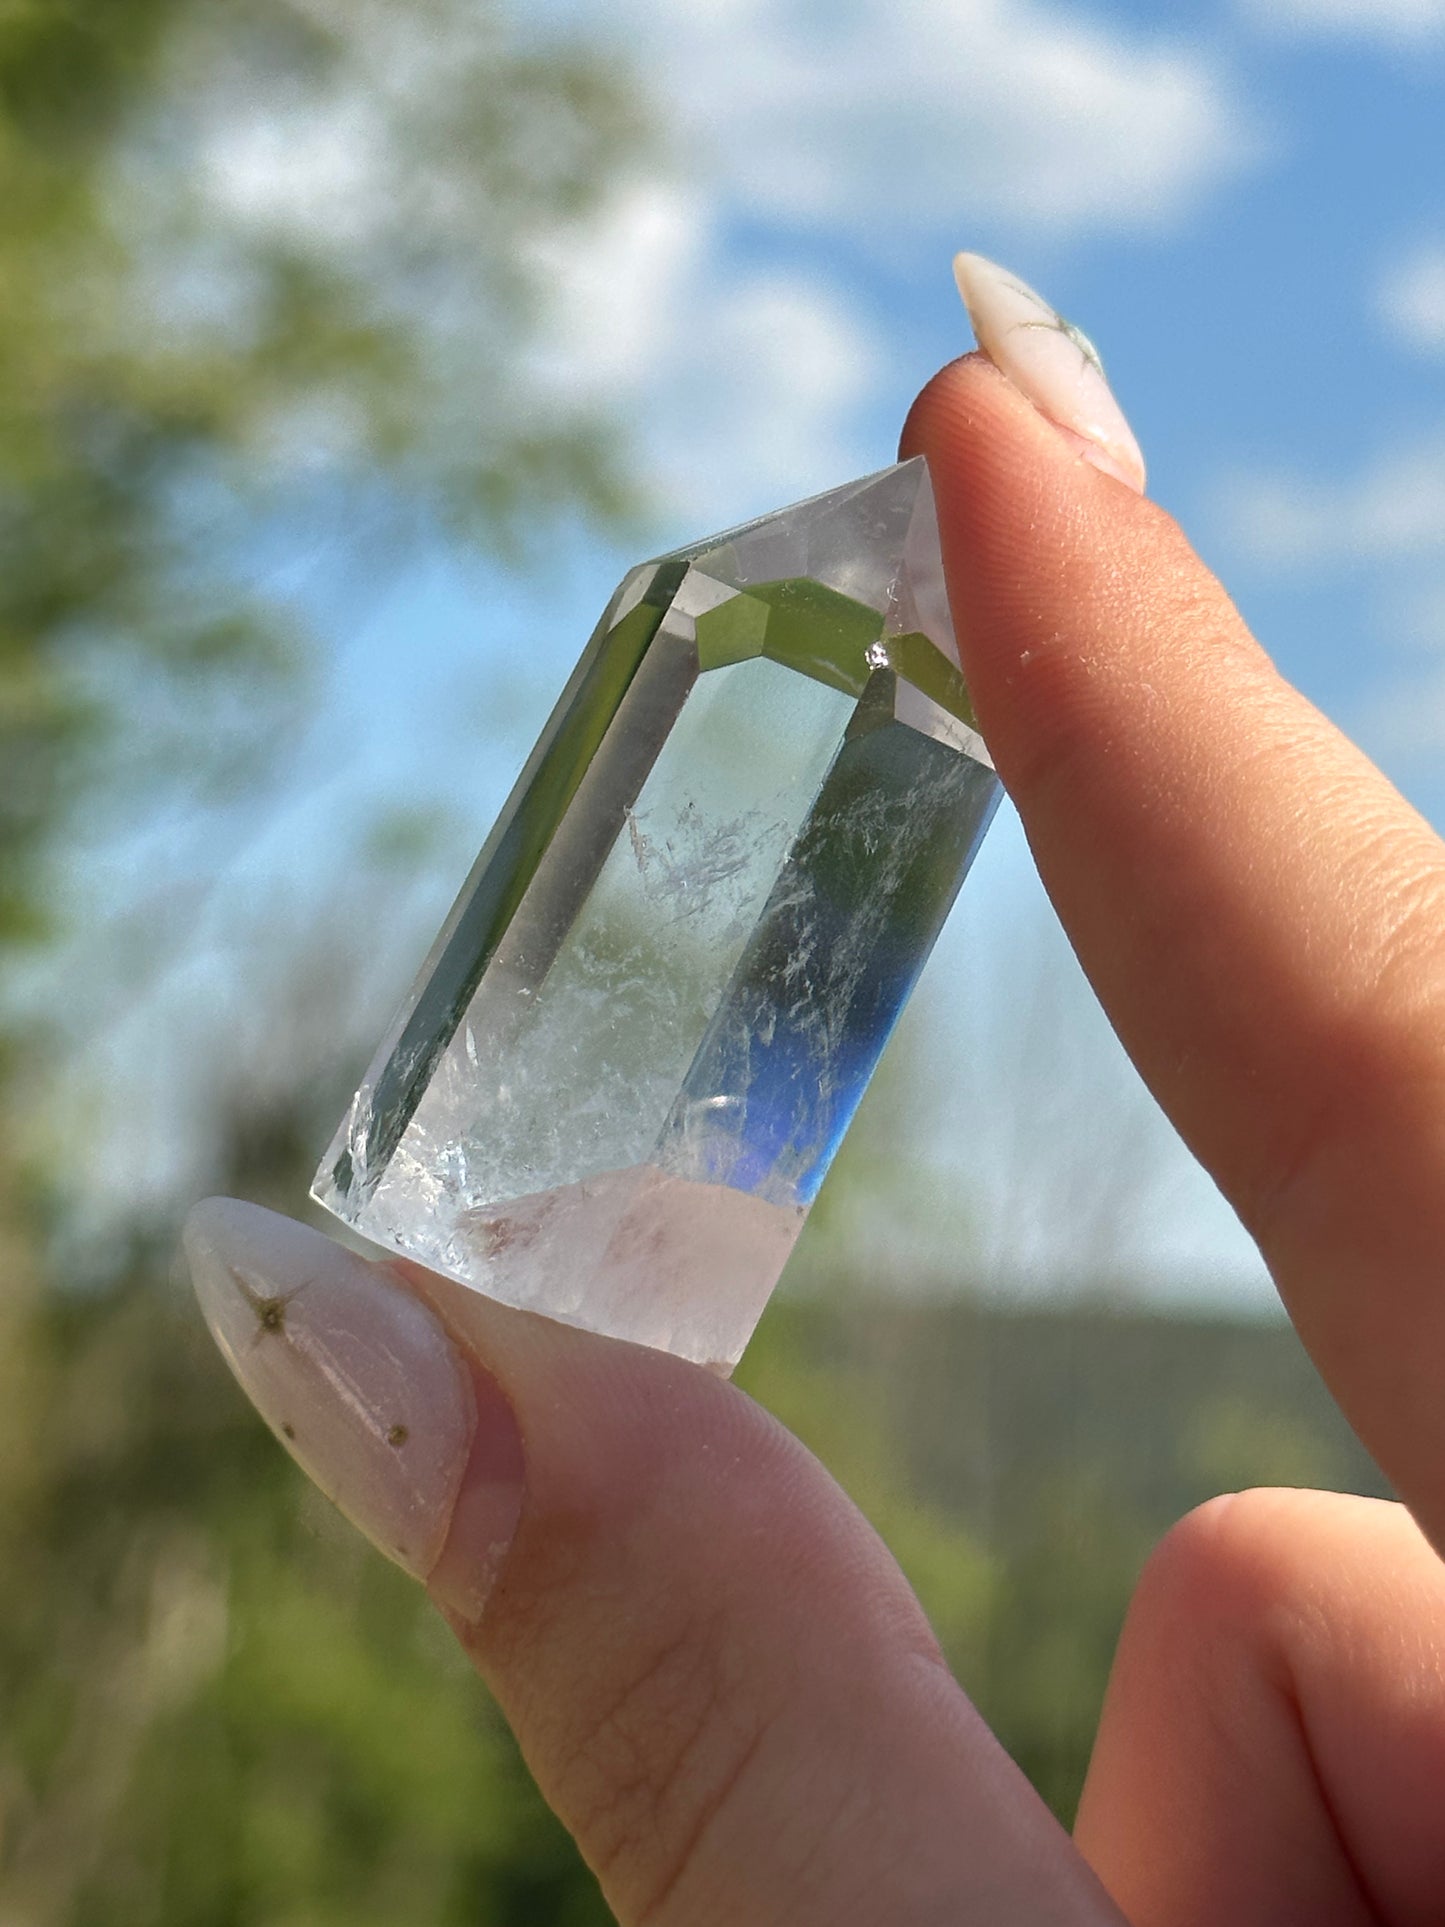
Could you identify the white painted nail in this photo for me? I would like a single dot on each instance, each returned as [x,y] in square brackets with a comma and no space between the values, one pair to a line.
[1052,362]
[354,1374]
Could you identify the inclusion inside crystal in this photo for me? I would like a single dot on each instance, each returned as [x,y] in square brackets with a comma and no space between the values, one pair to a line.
[635,1047]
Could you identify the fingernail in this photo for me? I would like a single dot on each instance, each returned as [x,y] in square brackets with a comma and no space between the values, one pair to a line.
[365,1389]
[1052,362]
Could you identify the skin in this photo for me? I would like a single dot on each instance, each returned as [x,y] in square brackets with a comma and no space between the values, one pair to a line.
[716,1671]
[1263,917]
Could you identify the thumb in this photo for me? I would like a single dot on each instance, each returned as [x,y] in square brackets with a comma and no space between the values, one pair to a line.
[716,1672]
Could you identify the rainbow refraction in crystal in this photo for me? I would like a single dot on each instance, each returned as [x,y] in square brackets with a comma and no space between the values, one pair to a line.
[619,1080]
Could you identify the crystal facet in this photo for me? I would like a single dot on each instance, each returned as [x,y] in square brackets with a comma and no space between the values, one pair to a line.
[619,1079]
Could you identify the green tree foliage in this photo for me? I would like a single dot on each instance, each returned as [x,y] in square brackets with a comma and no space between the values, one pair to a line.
[266,281]
[1059,1445]
[264,266]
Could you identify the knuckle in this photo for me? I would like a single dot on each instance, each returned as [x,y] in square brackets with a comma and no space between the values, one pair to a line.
[1235,1575]
[1209,1570]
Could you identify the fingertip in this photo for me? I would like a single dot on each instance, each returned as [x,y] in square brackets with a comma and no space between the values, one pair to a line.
[974,425]
[946,402]
[1052,364]
[1038,546]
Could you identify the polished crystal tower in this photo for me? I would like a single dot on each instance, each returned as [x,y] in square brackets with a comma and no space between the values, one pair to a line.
[616,1086]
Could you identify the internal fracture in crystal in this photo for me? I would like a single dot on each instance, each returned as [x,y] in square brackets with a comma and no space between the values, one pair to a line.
[616,1086]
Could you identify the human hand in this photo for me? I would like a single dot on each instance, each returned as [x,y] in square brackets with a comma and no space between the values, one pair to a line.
[717,1674]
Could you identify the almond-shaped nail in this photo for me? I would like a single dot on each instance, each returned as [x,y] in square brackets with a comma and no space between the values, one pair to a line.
[1052,362]
[366,1390]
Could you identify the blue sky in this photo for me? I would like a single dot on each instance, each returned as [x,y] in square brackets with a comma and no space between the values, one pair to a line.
[1243,204]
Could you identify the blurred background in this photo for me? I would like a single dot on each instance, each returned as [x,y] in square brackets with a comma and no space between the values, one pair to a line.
[349,350]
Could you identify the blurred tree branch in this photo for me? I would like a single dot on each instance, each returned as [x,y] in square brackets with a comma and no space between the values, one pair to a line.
[259,265]
[268,275]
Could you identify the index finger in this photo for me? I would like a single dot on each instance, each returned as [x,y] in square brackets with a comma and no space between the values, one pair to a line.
[1261,913]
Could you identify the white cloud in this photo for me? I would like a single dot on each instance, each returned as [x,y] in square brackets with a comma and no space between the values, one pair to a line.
[897,124]
[617,287]
[787,370]
[903,124]
[922,115]
[316,172]
[1386,527]
[1395,22]
[745,389]
[1417,616]
[908,124]
[1406,721]
[1394,510]
[1411,298]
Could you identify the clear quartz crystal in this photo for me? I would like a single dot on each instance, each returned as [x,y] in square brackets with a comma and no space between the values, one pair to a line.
[616,1085]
